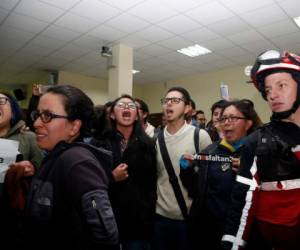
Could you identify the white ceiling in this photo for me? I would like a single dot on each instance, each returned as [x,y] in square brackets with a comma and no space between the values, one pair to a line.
[39,35]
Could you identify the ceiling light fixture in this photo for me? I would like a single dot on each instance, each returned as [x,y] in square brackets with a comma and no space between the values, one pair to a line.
[135,71]
[297,21]
[195,50]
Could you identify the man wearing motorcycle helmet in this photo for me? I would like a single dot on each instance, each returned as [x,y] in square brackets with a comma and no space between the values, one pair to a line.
[272,62]
[267,188]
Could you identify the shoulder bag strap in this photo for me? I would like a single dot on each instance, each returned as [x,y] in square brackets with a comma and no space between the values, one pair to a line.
[196,139]
[172,176]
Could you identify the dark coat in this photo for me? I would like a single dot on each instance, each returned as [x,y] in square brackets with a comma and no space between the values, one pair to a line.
[133,199]
[210,187]
[68,202]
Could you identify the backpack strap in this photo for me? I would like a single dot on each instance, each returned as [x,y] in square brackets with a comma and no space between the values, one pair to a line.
[196,139]
[172,176]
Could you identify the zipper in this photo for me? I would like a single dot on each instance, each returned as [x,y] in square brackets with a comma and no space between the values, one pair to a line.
[94,206]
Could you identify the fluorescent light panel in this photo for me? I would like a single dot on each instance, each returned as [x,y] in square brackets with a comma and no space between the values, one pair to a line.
[195,50]
[297,20]
[134,71]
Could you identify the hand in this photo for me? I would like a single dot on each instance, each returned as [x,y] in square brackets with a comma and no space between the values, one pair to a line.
[185,161]
[24,129]
[120,173]
[27,165]
[235,164]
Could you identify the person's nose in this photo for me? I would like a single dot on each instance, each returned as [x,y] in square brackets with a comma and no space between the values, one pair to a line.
[273,94]
[225,122]
[38,123]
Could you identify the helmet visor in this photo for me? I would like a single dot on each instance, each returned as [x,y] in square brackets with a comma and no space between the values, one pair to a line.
[270,57]
[273,59]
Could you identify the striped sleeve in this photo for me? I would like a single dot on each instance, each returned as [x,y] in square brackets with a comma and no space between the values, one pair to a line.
[244,196]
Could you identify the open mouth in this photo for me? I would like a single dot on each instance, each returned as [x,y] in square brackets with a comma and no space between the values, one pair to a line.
[126,114]
[40,137]
[169,112]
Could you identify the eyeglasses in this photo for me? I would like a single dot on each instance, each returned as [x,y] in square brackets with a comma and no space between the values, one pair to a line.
[3,100]
[123,105]
[174,100]
[46,116]
[230,119]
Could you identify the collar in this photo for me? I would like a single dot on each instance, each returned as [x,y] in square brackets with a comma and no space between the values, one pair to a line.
[178,133]
[15,129]
[232,147]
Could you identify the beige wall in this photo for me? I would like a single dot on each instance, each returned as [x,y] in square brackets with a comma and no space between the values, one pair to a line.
[137,90]
[95,88]
[10,89]
[205,90]
[42,78]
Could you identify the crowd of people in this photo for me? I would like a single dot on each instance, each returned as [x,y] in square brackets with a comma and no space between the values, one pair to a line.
[103,177]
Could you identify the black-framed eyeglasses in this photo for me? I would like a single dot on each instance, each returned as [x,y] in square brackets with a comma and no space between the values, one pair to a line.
[46,116]
[173,100]
[3,100]
[123,105]
[230,119]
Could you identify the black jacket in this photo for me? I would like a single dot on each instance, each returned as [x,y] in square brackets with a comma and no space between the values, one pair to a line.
[133,199]
[68,203]
[266,157]
[210,187]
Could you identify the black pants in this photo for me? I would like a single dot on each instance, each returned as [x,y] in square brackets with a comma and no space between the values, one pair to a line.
[170,234]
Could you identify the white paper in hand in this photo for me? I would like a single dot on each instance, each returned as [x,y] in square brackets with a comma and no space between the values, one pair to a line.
[8,155]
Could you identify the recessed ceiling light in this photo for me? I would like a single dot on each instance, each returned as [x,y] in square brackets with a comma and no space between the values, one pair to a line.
[195,50]
[297,20]
[135,71]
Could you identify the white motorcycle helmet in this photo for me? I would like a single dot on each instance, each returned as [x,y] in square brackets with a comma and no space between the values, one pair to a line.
[272,61]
